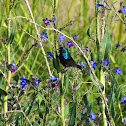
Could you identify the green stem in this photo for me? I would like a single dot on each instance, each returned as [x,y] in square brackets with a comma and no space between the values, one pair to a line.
[62,109]
[102,80]
[62,98]
[8,61]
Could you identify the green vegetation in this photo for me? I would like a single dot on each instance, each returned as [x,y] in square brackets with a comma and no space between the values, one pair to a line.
[70,98]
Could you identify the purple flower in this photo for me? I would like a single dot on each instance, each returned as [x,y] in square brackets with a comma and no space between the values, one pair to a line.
[117,45]
[106,62]
[53,85]
[82,64]
[23,81]
[92,116]
[86,48]
[35,81]
[46,21]
[44,35]
[123,100]
[99,4]
[123,10]
[69,43]
[124,119]
[117,70]
[53,78]
[54,17]
[93,63]
[50,55]
[56,84]
[61,37]
[14,67]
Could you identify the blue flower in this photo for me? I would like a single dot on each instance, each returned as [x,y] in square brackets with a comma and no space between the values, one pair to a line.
[50,55]
[106,62]
[54,17]
[93,63]
[75,37]
[124,119]
[117,70]
[117,45]
[23,81]
[14,67]
[92,116]
[82,64]
[44,35]
[123,100]
[53,78]
[35,81]
[123,10]
[61,37]
[46,21]
[86,48]
[69,43]
[99,4]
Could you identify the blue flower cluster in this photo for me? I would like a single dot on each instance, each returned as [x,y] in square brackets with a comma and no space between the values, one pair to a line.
[24,81]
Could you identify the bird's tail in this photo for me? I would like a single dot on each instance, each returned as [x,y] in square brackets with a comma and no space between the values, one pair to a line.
[78,66]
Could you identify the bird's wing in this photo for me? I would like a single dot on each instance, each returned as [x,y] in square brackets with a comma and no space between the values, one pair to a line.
[67,55]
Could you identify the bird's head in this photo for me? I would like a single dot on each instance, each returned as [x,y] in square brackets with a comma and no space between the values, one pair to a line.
[63,50]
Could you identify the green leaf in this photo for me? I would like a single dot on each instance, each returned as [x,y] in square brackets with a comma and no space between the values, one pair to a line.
[101,85]
[66,110]
[113,94]
[2,92]
[105,46]
[55,62]
[29,105]
[14,51]
[108,44]
[88,31]
[56,121]
[35,124]
[66,80]
[72,110]
[87,103]
[13,31]
[18,117]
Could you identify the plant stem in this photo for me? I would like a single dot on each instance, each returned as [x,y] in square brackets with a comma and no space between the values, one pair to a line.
[39,39]
[62,98]
[102,80]
[62,109]
[8,61]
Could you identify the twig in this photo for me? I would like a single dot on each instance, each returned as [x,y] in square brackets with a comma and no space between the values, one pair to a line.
[39,39]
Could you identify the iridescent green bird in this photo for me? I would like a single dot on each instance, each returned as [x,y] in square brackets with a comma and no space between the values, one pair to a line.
[66,59]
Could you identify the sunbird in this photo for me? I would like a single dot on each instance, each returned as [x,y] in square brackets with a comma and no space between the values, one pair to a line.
[66,59]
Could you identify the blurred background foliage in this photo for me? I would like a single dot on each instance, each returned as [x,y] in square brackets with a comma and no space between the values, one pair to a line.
[76,85]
